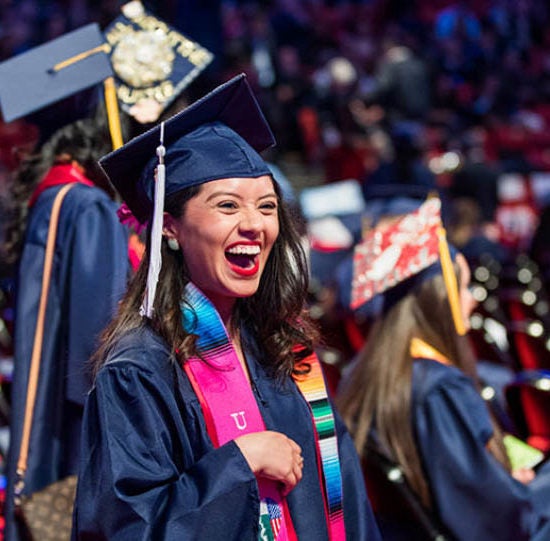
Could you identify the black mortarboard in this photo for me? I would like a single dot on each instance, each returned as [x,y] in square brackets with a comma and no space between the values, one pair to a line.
[151,59]
[29,81]
[218,136]
[68,65]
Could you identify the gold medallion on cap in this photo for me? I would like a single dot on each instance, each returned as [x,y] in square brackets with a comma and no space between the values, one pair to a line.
[143,58]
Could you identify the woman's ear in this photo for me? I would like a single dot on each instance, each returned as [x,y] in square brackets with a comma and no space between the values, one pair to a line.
[169,228]
[170,232]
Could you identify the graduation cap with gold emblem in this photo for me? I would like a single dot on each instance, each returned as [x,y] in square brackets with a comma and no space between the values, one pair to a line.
[152,61]
[43,77]
[395,253]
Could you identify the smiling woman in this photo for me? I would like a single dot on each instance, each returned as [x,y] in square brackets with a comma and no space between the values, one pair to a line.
[200,424]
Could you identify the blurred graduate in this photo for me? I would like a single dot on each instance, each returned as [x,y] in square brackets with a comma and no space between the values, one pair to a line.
[67,285]
[413,394]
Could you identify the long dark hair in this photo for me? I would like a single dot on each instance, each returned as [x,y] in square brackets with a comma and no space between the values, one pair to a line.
[378,393]
[83,141]
[275,314]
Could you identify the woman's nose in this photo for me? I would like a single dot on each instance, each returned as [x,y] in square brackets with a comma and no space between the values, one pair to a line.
[251,220]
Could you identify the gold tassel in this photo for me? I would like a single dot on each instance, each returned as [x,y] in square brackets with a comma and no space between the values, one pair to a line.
[113,116]
[451,283]
[103,48]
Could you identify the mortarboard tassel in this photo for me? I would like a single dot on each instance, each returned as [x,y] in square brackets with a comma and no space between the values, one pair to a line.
[113,115]
[155,259]
[451,283]
[103,48]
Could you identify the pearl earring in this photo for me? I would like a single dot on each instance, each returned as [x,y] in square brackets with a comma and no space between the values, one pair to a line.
[173,244]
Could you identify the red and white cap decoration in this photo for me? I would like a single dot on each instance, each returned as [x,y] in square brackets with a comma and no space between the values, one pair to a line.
[392,253]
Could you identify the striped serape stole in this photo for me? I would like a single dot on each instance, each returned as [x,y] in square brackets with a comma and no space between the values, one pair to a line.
[312,385]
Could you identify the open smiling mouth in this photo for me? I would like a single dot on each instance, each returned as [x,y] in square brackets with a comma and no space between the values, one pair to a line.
[244,259]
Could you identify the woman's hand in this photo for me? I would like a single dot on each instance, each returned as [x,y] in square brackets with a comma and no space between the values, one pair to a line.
[273,455]
[523,475]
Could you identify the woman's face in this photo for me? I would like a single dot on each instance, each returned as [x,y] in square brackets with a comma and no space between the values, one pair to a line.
[467,301]
[226,234]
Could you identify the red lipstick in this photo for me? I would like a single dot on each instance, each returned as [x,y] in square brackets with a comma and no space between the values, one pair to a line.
[244,264]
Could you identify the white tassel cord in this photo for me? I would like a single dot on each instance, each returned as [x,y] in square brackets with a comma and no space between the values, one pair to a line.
[155,258]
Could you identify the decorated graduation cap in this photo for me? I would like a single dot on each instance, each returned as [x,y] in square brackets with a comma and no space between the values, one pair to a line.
[409,247]
[61,68]
[152,61]
[219,136]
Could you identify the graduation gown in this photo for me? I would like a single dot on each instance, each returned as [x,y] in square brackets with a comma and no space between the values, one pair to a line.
[89,273]
[149,470]
[475,497]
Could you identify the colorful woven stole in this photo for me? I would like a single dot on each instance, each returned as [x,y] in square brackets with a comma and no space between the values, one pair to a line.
[313,387]
[230,410]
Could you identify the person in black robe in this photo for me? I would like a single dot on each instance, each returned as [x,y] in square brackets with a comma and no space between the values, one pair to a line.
[413,394]
[225,257]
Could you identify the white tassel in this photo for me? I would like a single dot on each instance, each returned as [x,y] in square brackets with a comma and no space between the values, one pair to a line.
[155,259]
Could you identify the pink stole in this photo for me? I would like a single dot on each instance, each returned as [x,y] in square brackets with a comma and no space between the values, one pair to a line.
[230,411]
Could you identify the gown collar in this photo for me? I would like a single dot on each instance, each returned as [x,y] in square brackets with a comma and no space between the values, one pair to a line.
[422,350]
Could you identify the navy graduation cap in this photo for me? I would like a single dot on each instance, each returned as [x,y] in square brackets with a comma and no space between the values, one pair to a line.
[63,67]
[38,78]
[218,136]
[151,60]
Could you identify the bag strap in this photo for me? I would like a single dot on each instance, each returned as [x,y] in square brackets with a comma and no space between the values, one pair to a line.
[32,384]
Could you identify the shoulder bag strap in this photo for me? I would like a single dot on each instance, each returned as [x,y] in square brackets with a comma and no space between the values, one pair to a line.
[38,337]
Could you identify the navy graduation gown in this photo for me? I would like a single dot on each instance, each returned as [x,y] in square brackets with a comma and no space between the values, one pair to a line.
[89,273]
[149,470]
[475,497]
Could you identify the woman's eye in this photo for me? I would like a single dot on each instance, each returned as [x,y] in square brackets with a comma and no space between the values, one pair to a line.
[269,206]
[227,205]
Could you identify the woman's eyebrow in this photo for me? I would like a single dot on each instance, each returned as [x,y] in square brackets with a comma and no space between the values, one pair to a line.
[222,194]
[237,195]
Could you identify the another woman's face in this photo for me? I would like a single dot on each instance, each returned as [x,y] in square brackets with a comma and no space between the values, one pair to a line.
[226,234]
[467,301]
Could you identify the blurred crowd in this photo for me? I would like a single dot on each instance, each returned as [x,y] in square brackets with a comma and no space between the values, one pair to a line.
[403,97]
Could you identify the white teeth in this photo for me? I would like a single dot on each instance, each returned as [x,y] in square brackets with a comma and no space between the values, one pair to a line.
[244,250]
